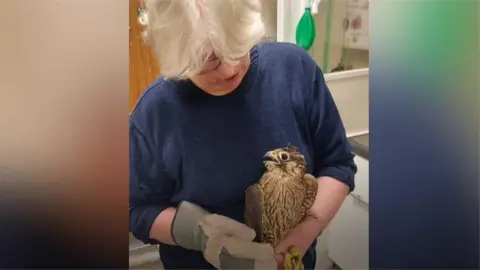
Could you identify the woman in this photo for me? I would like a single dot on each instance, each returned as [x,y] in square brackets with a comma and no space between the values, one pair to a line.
[198,134]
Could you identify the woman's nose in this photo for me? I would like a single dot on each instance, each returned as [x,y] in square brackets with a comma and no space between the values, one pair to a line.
[225,71]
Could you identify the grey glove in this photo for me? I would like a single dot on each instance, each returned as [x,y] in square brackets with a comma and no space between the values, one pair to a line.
[224,242]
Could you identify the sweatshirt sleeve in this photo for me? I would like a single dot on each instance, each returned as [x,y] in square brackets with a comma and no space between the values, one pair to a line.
[333,153]
[150,186]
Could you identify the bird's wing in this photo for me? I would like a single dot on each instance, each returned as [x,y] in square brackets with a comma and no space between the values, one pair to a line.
[254,209]
[311,188]
[311,181]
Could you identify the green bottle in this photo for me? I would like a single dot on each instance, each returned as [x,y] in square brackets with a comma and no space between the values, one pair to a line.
[305,34]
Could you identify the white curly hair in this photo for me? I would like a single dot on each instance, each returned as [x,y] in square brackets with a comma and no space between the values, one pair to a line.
[184,33]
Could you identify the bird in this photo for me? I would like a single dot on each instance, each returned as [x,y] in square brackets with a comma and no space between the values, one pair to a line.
[280,200]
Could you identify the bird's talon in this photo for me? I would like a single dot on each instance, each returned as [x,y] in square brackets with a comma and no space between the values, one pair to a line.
[293,260]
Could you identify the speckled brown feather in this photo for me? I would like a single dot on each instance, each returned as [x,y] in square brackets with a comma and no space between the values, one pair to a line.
[281,199]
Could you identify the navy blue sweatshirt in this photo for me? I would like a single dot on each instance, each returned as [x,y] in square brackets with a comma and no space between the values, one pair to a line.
[188,145]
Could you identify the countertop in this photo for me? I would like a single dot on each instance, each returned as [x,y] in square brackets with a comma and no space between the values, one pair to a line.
[360,145]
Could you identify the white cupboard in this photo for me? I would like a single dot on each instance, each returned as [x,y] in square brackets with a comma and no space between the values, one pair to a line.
[347,242]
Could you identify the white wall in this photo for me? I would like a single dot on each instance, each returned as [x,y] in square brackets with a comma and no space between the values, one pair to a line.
[269,12]
[287,22]
[356,58]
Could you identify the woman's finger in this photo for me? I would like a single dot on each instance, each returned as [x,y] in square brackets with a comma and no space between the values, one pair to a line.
[280,260]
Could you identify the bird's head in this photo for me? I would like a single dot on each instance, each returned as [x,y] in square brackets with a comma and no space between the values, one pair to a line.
[288,159]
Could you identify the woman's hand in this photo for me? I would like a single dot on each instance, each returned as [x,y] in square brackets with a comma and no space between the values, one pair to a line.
[300,238]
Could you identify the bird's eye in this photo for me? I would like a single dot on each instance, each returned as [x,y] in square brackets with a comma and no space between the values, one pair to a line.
[284,156]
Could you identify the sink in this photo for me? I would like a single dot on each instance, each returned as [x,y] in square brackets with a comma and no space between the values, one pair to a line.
[360,145]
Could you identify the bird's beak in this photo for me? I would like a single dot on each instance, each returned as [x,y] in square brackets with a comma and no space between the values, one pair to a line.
[270,157]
